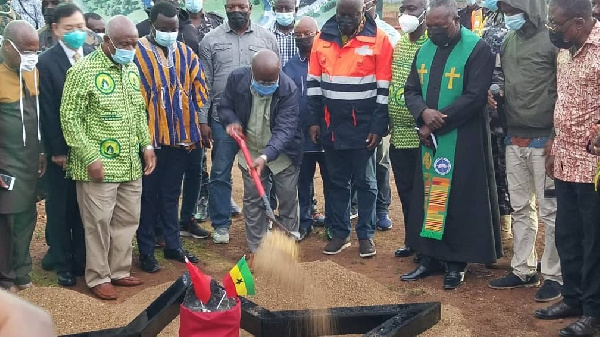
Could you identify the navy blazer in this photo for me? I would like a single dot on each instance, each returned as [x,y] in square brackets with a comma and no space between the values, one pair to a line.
[52,67]
[236,105]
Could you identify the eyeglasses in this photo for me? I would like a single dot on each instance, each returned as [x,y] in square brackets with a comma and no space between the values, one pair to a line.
[303,35]
[553,26]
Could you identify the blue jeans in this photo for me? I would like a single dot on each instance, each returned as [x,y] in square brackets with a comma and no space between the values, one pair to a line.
[191,185]
[305,185]
[223,155]
[343,166]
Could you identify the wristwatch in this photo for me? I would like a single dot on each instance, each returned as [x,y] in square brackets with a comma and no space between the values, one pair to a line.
[264,157]
[149,147]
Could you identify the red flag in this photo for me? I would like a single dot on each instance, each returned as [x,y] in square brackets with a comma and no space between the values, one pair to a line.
[200,281]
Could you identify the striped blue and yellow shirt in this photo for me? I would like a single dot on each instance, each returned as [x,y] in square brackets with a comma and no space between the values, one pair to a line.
[174,88]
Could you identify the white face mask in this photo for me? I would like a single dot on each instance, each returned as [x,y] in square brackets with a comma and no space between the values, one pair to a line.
[28,63]
[471,2]
[409,23]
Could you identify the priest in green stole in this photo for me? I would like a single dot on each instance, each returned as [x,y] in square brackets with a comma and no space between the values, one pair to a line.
[446,92]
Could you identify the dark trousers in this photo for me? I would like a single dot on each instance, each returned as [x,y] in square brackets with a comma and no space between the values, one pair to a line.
[16,231]
[578,243]
[404,165]
[160,199]
[384,192]
[191,185]
[306,185]
[343,166]
[499,156]
[63,222]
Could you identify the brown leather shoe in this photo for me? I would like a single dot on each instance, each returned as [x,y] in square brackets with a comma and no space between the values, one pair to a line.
[128,281]
[104,291]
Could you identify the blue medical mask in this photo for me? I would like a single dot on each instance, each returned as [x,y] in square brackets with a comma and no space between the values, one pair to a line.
[515,22]
[165,39]
[194,6]
[75,39]
[491,5]
[285,19]
[122,56]
[264,90]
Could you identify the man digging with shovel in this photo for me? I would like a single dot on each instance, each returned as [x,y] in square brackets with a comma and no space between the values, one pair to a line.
[260,103]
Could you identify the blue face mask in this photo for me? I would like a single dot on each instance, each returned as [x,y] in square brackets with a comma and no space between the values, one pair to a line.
[264,90]
[165,39]
[285,19]
[193,6]
[491,5]
[74,39]
[515,22]
[122,56]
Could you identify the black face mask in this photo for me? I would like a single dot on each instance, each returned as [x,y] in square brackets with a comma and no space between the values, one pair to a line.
[347,25]
[48,15]
[237,20]
[304,44]
[558,39]
[439,36]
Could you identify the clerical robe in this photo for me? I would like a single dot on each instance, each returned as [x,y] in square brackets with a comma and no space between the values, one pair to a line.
[471,226]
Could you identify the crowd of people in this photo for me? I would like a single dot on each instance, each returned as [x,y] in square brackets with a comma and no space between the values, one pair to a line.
[486,115]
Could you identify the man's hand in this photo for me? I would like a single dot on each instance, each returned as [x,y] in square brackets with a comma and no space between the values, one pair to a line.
[373,141]
[234,129]
[96,171]
[424,135]
[149,161]
[3,185]
[60,161]
[433,118]
[258,164]
[206,133]
[549,158]
[42,165]
[315,133]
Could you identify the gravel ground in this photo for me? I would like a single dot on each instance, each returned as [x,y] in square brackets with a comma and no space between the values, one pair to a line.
[329,284]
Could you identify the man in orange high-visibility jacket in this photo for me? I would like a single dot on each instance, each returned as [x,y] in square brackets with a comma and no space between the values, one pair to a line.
[348,82]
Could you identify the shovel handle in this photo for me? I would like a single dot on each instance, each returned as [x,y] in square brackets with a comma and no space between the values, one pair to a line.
[241,140]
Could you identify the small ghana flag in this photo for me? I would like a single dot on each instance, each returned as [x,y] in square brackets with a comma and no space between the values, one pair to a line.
[239,280]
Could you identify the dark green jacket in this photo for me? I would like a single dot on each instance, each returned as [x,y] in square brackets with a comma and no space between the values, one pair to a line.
[529,64]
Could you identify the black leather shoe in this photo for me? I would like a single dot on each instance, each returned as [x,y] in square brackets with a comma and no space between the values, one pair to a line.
[180,255]
[421,272]
[453,279]
[304,233]
[149,264]
[557,310]
[404,252]
[585,326]
[66,279]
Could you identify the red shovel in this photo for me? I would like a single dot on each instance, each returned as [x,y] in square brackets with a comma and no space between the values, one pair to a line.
[241,140]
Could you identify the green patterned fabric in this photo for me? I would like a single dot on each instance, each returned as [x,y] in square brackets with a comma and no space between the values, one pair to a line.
[402,121]
[103,116]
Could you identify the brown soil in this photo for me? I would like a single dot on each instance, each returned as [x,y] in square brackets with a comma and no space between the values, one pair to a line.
[471,310]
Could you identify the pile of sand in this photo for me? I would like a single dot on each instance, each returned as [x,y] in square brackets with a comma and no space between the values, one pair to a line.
[334,285]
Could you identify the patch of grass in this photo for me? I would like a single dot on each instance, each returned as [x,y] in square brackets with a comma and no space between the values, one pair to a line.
[398,270]
[198,248]
[393,288]
[42,278]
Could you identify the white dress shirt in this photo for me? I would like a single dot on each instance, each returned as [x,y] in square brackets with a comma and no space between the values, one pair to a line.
[70,52]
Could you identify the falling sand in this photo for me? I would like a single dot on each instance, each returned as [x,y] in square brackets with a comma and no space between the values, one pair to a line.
[276,260]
